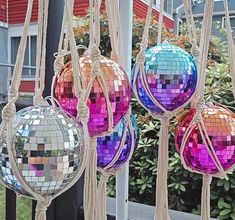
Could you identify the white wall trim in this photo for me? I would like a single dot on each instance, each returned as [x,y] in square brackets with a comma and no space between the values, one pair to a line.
[157,9]
[214,14]
[223,21]
[3,24]
[17,30]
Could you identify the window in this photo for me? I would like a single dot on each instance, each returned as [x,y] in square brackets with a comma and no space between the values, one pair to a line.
[232,20]
[30,55]
[168,5]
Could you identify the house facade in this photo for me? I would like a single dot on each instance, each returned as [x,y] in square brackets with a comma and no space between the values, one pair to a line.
[198,11]
[12,15]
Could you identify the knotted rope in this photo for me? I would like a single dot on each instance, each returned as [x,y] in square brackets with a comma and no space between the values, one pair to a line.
[199,104]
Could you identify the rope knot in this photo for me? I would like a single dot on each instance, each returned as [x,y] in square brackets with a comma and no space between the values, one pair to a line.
[38,99]
[59,62]
[199,105]
[207,180]
[83,112]
[95,54]
[141,57]
[168,115]
[13,94]
[114,56]
[195,51]
[43,205]
[8,112]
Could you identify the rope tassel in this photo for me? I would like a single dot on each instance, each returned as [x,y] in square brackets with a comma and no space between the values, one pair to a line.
[206,197]
[90,185]
[102,188]
[162,169]
[41,209]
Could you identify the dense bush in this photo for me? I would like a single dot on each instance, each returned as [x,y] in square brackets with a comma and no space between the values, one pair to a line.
[184,187]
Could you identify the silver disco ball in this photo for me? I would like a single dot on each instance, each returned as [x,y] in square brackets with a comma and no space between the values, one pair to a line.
[48,147]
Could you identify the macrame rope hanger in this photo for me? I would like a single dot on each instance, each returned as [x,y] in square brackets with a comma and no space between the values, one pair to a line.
[198,104]
[114,21]
[161,212]
[9,110]
[231,46]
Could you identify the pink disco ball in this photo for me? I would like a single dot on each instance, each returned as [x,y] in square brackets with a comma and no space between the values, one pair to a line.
[119,91]
[220,127]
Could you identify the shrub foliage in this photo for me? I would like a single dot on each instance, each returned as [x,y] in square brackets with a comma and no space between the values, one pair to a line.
[184,186]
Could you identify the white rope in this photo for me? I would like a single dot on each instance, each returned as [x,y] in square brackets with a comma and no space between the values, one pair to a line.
[206,196]
[115,30]
[107,170]
[102,190]
[9,110]
[94,22]
[162,169]
[192,33]
[160,22]
[90,185]
[41,52]
[231,47]
[204,46]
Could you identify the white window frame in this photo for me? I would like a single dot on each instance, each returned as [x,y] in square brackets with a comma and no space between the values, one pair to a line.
[224,20]
[170,16]
[16,31]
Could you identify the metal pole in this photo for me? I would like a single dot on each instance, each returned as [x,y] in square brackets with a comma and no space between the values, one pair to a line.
[10,205]
[122,180]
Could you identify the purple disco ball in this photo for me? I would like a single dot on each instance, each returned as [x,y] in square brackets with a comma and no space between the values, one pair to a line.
[108,146]
[171,76]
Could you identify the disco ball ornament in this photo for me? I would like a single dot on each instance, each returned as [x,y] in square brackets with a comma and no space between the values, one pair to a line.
[108,146]
[48,147]
[220,127]
[118,86]
[171,78]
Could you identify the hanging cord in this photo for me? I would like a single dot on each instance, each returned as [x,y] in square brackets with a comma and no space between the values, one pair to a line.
[231,47]
[206,195]
[41,52]
[192,31]
[116,38]
[9,113]
[102,189]
[161,212]
[160,22]
[115,30]
[162,170]
[199,104]
[94,23]
[107,171]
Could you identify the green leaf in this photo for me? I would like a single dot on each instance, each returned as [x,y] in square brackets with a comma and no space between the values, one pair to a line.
[221,203]
[225,212]
[226,186]
[233,215]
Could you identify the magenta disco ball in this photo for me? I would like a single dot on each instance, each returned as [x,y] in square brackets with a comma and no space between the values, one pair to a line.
[108,146]
[220,127]
[171,75]
[119,91]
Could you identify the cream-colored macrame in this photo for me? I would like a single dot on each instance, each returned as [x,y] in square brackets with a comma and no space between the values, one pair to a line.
[199,103]
[231,46]
[163,149]
[90,185]
[9,110]
[116,38]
